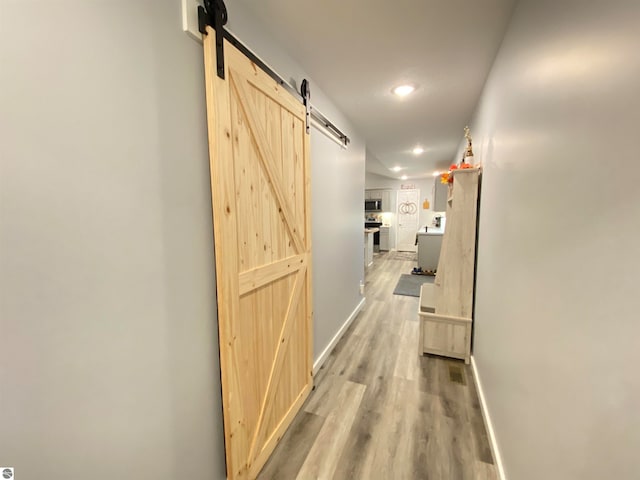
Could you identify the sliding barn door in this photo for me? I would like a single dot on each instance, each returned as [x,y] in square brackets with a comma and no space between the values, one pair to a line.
[259,154]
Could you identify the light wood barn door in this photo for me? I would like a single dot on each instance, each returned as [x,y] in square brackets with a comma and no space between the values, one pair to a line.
[259,154]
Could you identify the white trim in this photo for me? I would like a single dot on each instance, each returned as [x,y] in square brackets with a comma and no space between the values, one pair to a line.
[487,421]
[334,341]
[190,19]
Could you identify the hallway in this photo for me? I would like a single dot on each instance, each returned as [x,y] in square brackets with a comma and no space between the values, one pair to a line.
[381,411]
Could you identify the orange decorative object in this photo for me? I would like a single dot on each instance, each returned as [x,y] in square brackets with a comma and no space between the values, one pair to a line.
[447,177]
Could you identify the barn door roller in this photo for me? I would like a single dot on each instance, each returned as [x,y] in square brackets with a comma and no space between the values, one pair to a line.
[305,91]
[214,14]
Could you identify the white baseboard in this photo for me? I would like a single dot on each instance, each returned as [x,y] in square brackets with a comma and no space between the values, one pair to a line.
[334,341]
[487,421]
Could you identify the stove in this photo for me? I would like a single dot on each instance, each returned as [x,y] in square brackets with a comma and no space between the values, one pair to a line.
[376,236]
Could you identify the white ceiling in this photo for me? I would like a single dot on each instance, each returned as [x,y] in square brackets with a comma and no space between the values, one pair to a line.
[357,50]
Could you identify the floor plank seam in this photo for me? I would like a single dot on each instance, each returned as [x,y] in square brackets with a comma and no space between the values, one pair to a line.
[382,411]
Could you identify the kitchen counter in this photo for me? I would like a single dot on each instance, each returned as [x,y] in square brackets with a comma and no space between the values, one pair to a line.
[368,245]
[431,231]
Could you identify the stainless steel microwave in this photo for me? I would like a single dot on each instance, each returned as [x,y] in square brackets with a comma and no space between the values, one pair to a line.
[373,205]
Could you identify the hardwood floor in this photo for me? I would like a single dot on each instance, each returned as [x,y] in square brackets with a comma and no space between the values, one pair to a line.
[382,411]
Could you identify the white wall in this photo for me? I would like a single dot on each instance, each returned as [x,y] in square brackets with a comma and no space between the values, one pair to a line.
[425,185]
[337,186]
[109,362]
[556,339]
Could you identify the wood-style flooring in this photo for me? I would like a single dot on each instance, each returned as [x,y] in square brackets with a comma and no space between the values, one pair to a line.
[382,411]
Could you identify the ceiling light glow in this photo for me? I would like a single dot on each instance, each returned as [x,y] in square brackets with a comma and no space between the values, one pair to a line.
[435,174]
[418,150]
[403,90]
[403,177]
[396,168]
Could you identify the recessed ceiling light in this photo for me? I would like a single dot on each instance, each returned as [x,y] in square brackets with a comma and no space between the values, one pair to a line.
[435,174]
[396,168]
[418,150]
[403,90]
[403,177]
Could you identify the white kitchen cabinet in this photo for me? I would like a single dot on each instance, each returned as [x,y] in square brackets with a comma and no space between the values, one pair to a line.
[386,200]
[440,193]
[372,194]
[384,239]
[380,194]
